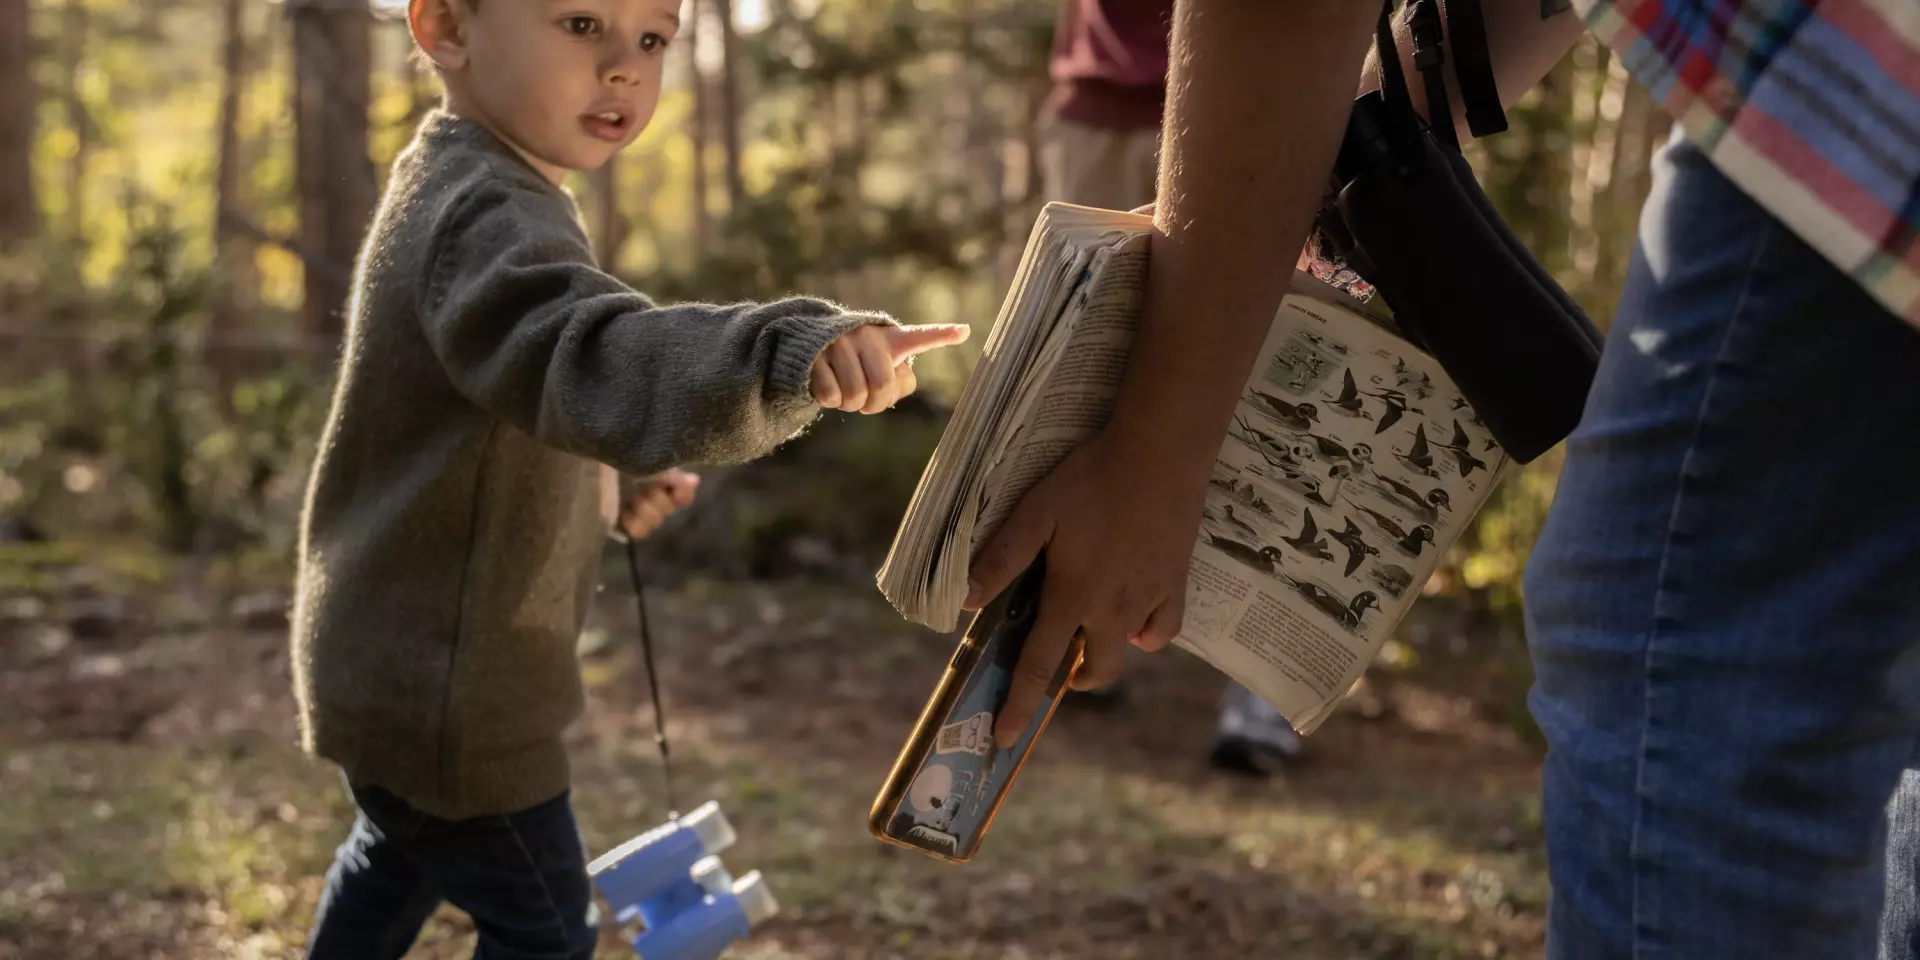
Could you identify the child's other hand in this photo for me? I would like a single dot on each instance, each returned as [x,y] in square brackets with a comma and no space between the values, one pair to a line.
[866,370]
[656,500]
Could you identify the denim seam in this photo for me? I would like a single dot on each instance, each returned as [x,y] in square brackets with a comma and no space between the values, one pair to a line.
[559,920]
[1660,578]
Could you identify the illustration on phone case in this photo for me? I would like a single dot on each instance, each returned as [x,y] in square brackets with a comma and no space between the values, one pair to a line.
[930,822]
[952,794]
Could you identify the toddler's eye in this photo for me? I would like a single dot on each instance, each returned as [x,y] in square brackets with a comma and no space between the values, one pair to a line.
[580,26]
[653,42]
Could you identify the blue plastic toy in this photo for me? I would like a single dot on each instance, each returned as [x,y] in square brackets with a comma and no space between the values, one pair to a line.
[671,879]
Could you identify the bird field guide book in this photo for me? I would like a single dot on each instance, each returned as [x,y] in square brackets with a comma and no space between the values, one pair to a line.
[1350,466]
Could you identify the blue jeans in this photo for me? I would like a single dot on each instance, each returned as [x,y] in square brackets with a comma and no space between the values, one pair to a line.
[1724,603]
[522,877]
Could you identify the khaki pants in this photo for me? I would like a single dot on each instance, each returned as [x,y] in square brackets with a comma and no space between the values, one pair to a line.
[1097,166]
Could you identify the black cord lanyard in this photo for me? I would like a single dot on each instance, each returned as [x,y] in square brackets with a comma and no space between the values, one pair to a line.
[653,677]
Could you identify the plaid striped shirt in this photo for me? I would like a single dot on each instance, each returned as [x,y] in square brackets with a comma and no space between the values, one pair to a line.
[1811,106]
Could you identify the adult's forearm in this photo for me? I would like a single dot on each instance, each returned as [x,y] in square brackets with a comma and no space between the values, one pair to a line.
[1258,96]
[1522,46]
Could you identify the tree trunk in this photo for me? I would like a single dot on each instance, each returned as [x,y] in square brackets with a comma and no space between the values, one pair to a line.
[1548,163]
[19,100]
[1650,124]
[234,296]
[1594,131]
[609,227]
[1642,129]
[73,40]
[697,85]
[730,101]
[331,53]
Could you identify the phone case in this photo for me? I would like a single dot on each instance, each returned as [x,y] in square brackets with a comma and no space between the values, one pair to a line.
[950,779]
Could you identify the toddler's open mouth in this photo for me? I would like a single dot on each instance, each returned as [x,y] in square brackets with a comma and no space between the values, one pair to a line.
[608,125]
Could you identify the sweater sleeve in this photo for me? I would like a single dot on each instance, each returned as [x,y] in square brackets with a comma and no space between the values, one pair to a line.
[529,329]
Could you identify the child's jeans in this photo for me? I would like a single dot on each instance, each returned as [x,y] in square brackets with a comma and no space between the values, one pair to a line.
[1724,603]
[522,877]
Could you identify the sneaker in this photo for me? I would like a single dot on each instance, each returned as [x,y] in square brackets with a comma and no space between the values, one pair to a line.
[1252,737]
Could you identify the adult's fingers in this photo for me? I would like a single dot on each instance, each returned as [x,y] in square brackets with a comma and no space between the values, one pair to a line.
[1012,548]
[1163,624]
[1105,656]
[1042,656]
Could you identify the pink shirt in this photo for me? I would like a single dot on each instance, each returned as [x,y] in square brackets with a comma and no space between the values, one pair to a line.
[1109,62]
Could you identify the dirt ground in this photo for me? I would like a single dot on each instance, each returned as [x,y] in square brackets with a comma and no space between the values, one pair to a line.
[153,804]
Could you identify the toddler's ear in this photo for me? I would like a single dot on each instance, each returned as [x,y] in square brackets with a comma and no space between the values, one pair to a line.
[438,27]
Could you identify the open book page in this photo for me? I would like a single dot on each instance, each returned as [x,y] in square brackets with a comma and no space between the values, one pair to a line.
[1351,465]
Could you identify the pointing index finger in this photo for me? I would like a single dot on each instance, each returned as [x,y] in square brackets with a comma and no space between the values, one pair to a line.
[904,342]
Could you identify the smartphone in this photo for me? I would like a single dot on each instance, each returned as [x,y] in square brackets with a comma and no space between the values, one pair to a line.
[951,777]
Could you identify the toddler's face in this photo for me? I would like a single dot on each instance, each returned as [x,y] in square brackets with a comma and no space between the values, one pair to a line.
[566,82]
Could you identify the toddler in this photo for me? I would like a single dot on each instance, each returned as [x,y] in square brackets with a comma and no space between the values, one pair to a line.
[457,510]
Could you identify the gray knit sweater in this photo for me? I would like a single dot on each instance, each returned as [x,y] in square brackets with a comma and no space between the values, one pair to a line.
[449,543]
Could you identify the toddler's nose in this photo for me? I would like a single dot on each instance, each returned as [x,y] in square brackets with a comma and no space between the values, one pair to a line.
[621,64]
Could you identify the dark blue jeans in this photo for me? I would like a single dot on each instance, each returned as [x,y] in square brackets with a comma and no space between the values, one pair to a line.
[1724,604]
[522,877]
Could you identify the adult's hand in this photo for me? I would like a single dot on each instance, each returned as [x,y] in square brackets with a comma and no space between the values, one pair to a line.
[1242,172]
[1116,582]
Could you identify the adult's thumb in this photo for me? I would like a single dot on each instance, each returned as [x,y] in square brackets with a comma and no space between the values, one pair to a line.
[904,342]
[1010,550]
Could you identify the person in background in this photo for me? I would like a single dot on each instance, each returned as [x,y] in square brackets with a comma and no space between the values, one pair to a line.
[1099,147]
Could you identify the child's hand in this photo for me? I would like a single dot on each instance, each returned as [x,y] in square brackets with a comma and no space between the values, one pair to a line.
[866,369]
[655,501]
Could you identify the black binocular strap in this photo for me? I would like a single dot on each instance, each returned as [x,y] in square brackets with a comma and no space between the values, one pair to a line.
[1402,131]
[1473,67]
[1429,54]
